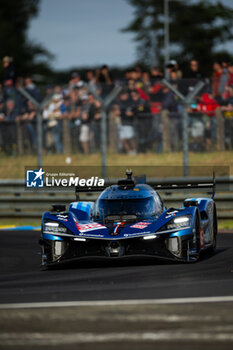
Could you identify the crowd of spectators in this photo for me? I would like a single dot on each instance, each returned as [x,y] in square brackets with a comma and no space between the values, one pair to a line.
[135,112]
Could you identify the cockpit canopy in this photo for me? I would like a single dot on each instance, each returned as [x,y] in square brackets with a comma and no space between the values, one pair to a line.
[140,202]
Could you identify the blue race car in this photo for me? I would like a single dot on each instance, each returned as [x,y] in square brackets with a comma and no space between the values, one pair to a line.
[130,219]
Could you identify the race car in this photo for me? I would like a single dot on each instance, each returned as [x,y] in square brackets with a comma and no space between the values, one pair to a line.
[129,219]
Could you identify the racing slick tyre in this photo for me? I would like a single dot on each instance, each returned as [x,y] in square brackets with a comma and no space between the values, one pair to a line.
[212,249]
[193,253]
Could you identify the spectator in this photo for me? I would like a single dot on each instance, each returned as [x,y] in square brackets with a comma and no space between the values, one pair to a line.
[139,109]
[49,90]
[173,76]
[136,74]
[143,119]
[29,126]
[31,88]
[10,111]
[105,81]
[127,76]
[197,134]
[75,81]
[75,95]
[227,109]
[126,129]
[91,80]
[8,71]
[155,96]
[170,104]
[9,128]
[146,82]
[66,106]
[52,114]
[156,75]
[223,80]
[230,72]
[194,74]
[194,71]
[216,76]
[143,86]
[95,119]
[131,86]
[84,136]
[172,66]
[9,90]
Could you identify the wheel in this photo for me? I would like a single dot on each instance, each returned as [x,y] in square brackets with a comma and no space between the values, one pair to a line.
[212,249]
[193,251]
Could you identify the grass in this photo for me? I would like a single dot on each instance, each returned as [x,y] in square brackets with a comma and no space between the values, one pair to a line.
[14,167]
[20,222]
[225,224]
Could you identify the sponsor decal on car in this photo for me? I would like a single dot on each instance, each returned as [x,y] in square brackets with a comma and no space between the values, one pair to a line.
[171,214]
[136,234]
[62,217]
[140,225]
[89,227]
[86,235]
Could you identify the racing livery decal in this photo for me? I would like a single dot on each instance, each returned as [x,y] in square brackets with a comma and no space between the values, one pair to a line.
[89,227]
[140,225]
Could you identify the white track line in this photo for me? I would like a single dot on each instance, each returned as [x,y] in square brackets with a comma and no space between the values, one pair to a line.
[116,302]
[33,339]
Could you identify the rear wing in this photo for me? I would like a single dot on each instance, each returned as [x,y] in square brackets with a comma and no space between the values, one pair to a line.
[79,189]
[187,186]
[132,181]
[128,182]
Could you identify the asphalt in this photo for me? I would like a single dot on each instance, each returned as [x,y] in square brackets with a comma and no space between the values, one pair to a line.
[49,322]
[22,280]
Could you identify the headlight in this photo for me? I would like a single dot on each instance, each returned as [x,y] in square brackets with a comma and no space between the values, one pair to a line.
[179,222]
[54,227]
[150,237]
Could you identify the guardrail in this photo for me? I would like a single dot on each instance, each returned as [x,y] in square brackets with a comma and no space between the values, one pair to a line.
[16,201]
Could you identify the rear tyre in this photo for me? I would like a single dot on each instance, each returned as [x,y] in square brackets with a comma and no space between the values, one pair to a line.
[212,249]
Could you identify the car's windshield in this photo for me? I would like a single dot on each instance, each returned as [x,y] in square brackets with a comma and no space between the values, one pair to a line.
[142,208]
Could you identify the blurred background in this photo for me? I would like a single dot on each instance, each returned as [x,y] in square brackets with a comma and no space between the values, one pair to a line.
[132,82]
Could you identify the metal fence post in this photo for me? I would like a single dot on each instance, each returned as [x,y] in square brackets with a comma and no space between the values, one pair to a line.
[104,142]
[104,105]
[185,139]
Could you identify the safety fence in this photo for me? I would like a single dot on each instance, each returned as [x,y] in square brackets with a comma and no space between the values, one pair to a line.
[140,116]
[16,201]
[161,132]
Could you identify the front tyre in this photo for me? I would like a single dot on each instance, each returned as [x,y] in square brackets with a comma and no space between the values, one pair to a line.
[194,246]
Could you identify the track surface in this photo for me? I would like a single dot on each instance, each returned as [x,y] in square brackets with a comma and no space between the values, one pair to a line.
[21,279]
[137,326]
